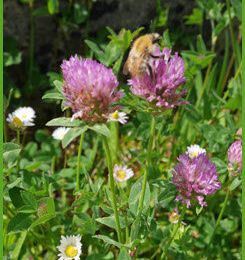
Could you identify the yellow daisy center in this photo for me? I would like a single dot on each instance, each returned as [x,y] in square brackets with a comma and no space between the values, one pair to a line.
[121,174]
[115,115]
[71,251]
[17,122]
[194,154]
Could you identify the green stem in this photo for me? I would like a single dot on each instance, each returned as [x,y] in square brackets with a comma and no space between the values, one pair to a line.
[19,143]
[18,137]
[148,162]
[52,171]
[117,139]
[220,215]
[126,230]
[238,71]
[79,162]
[65,160]
[31,50]
[112,187]
[231,30]
[176,228]
[53,165]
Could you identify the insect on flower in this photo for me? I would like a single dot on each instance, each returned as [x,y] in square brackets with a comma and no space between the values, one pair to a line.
[161,85]
[140,54]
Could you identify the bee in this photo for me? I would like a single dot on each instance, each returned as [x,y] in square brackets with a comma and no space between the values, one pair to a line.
[140,54]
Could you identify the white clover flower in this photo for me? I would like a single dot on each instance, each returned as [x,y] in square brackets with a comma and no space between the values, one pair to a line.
[22,117]
[121,117]
[122,173]
[194,150]
[70,248]
[60,132]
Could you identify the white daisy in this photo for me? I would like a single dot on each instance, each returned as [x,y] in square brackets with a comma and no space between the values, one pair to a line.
[121,117]
[70,248]
[21,117]
[122,173]
[60,132]
[195,150]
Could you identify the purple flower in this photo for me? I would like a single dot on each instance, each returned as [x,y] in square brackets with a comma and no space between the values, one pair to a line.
[235,157]
[195,178]
[90,88]
[161,81]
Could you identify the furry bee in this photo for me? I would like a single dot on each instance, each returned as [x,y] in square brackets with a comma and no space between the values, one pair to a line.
[140,54]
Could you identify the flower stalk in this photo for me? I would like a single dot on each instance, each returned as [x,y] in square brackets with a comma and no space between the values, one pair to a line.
[220,215]
[148,162]
[79,162]
[176,228]
[112,187]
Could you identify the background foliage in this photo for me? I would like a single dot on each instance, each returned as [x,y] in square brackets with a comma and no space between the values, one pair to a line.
[39,175]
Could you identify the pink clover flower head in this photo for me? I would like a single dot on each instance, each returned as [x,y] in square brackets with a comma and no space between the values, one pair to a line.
[89,88]
[195,178]
[160,83]
[235,158]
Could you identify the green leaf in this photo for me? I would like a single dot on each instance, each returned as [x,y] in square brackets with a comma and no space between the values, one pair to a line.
[135,229]
[9,59]
[27,209]
[110,221]
[15,196]
[85,223]
[41,11]
[80,13]
[11,152]
[14,183]
[196,17]
[94,47]
[235,183]
[123,255]
[109,241]
[29,199]
[53,6]
[134,197]
[83,197]
[58,85]
[64,121]
[100,129]
[19,222]
[72,134]
[229,225]
[53,95]
[237,5]
[46,211]
[18,245]
[202,60]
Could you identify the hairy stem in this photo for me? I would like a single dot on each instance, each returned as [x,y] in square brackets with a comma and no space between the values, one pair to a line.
[79,162]
[231,30]
[148,162]
[220,215]
[31,46]
[176,228]
[112,187]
